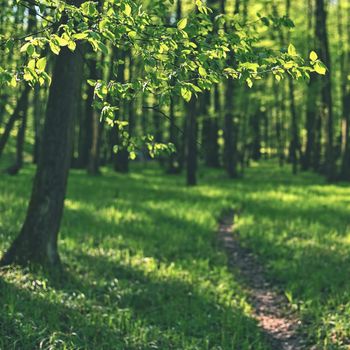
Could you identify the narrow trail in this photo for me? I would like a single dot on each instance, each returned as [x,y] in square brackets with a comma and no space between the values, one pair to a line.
[270,308]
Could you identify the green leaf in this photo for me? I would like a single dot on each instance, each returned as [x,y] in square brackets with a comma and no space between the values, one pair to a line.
[320,68]
[80,36]
[186,94]
[181,25]
[292,50]
[61,41]
[54,48]
[249,82]
[132,34]
[24,47]
[313,56]
[72,45]
[127,10]
[202,71]
[41,63]
[103,48]
[31,64]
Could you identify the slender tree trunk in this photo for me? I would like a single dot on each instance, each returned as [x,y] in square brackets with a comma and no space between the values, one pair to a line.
[279,123]
[326,87]
[85,132]
[37,116]
[37,241]
[191,151]
[256,136]
[311,117]
[231,126]
[17,114]
[294,146]
[17,166]
[120,159]
[93,165]
[345,150]
[310,124]
[174,163]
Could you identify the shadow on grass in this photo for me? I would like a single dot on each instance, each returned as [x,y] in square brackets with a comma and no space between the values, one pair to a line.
[109,305]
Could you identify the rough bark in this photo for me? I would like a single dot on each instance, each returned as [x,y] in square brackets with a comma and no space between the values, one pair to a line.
[37,240]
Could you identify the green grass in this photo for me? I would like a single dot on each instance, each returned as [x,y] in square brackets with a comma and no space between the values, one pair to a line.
[300,228]
[144,271]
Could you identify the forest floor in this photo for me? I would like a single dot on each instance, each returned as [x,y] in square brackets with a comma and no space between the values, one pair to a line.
[270,306]
[144,270]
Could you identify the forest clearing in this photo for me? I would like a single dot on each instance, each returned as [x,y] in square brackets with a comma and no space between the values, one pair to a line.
[174,174]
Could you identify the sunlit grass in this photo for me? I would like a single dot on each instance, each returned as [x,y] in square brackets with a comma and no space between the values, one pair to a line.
[144,271]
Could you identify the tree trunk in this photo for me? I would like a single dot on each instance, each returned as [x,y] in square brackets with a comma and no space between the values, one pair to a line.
[85,131]
[256,136]
[121,158]
[191,159]
[230,126]
[17,166]
[37,241]
[174,164]
[230,150]
[326,87]
[210,130]
[294,146]
[17,114]
[345,150]
[93,166]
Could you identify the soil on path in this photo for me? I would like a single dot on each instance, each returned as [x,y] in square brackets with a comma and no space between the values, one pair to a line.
[270,307]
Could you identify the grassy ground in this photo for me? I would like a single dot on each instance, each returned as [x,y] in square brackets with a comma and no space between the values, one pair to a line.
[144,272]
[300,228]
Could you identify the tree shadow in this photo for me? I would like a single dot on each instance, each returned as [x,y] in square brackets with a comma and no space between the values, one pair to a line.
[109,304]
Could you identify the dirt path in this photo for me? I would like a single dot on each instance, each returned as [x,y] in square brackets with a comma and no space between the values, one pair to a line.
[270,307]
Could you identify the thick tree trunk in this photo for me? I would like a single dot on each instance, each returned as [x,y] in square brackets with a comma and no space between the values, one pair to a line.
[191,149]
[37,241]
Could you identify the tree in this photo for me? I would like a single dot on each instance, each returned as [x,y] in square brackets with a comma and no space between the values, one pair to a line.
[345,90]
[37,240]
[326,88]
[191,52]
